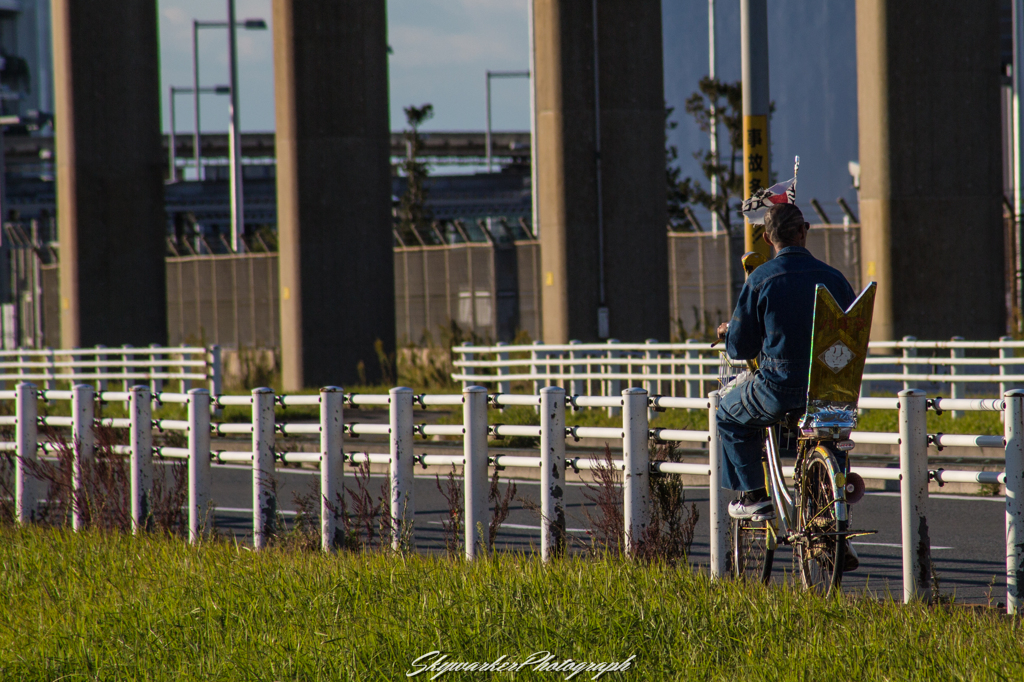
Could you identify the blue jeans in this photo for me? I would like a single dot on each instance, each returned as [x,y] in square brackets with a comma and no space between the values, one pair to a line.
[743,413]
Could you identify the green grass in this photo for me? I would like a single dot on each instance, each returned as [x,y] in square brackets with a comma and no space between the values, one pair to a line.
[976,423]
[111,607]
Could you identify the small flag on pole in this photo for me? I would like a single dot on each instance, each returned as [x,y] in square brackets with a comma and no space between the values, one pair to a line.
[757,205]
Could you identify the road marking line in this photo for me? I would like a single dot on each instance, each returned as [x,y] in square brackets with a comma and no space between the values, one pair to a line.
[241,510]
[519,526]
[943,496]
[888,544]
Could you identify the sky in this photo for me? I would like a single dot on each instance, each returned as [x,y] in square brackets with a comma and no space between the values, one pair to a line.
[441,50]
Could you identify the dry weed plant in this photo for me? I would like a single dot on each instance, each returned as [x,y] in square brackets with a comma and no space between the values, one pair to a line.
[499,505]
[669,535]
[7,487]
[103,498]
[451,527]
[607,534]
[365,522]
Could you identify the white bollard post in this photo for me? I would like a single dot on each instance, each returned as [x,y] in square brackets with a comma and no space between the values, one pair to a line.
[83,439]
[332,465]
[717,502]
[693,385]
[100,368]
[155,385]
[264,495]
[653,386]
[403,504]
[1003,369]
[127,368]
[140,409]
[552,473]
[186,384]
[504,386]
[216,371]
[1004,354]
[198,463]
[1013,429]
[474,469]
[466,355]
[614,368]
[957,389]
[908,353]
[26,485]
[51,370]
[577,385]
[535,367]
[914,495]
[636,467]
[216,376]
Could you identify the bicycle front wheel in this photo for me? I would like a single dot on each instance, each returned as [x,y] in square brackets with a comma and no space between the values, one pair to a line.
[752,550]
[821,549]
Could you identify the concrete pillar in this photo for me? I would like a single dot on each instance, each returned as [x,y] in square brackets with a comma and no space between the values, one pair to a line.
[110,202]
[333,189]
[931,175]
[630,205]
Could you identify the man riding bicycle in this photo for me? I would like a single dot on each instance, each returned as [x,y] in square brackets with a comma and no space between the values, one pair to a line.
[772,322]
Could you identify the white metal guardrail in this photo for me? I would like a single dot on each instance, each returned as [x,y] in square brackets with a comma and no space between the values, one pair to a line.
[682,368]
[634,433]
[126,366]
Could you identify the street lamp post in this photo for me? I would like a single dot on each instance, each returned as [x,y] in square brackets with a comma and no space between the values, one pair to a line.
[234,143]
[172,151]
[487,135]
[713,119]
[234,146]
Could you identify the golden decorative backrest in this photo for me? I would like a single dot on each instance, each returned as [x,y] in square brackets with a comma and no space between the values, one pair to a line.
[839,347]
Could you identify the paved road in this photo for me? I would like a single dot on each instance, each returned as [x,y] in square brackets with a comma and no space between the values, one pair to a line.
[967,533]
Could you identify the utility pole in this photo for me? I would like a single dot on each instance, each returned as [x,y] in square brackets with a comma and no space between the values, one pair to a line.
[195,105]
[488,154]
[756,101]
[1018,157]
[234,139]
[714,113]
[534,213]
[487,134]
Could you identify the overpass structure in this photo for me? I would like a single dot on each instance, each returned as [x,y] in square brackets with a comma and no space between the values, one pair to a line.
[33,157]
[931,183]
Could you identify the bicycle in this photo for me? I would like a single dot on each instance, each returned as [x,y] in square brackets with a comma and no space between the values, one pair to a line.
[813,518]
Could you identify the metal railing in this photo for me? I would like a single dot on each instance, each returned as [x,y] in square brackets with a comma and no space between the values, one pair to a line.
[634,433]
[683,369]
[128,366]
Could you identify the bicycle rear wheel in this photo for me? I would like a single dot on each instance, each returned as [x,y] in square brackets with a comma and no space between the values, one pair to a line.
[752,552]
[821,550]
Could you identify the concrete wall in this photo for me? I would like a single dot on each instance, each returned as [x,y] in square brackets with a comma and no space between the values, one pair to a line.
[699,287]
[931,176]
[491,292]
[233,301]
[110,204]
[227,300]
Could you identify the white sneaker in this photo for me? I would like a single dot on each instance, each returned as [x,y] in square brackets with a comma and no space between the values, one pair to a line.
[748,508]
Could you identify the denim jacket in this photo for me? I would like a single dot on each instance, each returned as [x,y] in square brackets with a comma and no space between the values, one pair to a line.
[774,314]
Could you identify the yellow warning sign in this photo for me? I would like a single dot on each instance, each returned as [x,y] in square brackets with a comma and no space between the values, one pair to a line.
[756,174]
